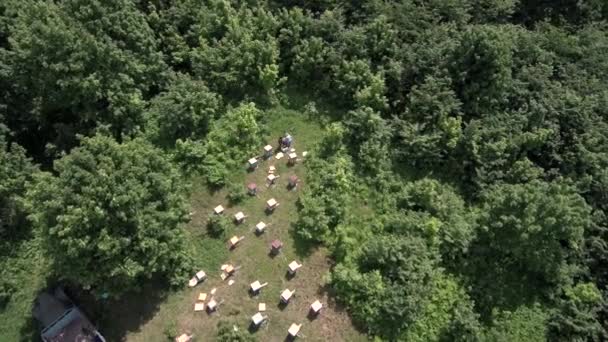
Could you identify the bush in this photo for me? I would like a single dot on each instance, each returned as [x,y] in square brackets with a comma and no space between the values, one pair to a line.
[170,330]
[227,332]
[217,225]
[236,193]
[6,291]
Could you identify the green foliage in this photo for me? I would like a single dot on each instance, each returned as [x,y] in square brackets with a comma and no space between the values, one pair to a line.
[228,332]
[184,111]
[431,126]
[170,330]
[482,69]
[387,286]
[323,203]
[448,316]
[232,57]
[236,192]
[468,136]
[16,169]
[82,63]
[450,225]
[534,230]
[524,324]
[218,225]
[111,216]
[576,316]
[231,141]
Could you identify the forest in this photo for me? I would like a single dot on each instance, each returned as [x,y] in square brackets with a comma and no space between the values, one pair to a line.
[458,180]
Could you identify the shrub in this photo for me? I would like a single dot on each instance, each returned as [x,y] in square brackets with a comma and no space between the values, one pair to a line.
[217,225]
[170,330]
[236,193]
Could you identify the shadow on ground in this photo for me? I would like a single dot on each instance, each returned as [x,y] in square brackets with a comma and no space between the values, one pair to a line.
[302,247]
[116,318]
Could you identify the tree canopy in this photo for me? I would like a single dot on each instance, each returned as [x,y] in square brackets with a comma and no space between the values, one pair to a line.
[111,215]
[459,182]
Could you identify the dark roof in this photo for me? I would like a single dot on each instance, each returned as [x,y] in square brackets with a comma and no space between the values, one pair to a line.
[73,326]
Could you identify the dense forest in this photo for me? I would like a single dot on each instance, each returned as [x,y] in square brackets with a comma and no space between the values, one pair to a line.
[461,184]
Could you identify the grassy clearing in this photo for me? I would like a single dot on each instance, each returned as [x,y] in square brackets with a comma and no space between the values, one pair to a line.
[146,315]
[252,256]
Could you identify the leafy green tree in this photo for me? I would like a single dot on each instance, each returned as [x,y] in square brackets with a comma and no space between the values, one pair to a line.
[431,127]
[184,111]
[81,63]
[529,241]
[448,316]
[110,218]
[576,316]
[16,169]
[526,323]
[386,285]
[482,69]
[231,141]
[450,225]
[323,204]
[239,60]
[218,225]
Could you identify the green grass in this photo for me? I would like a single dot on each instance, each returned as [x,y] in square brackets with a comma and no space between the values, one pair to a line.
[145,316]
[252,256]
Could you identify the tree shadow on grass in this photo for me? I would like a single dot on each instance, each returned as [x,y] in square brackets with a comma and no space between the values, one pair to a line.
[116,318]
[303,247]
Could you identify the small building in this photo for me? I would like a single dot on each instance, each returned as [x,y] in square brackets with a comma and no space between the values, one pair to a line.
[258,319]
[234,241]
[262,307]
[292,158]
[294,329]
[267,151]
[271,204]
[272,178]
[253,163]
[62,321]
[292,182]
[212,305]
[315,308]
[218,210]
[271,169]
[286,295]
[239,217]
[260,227]
[252,189]
[199,306]
[184,338]
[293,267]
[198,277]
[256,286]
[275,247]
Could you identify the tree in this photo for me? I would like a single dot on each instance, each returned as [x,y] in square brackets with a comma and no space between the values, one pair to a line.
[111,216]
[231,141]
[526,323]
[576,316]
[386,285]
[482,69]
[16,169]
[431,126]
[529,241]
[184,111]
[79,63]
